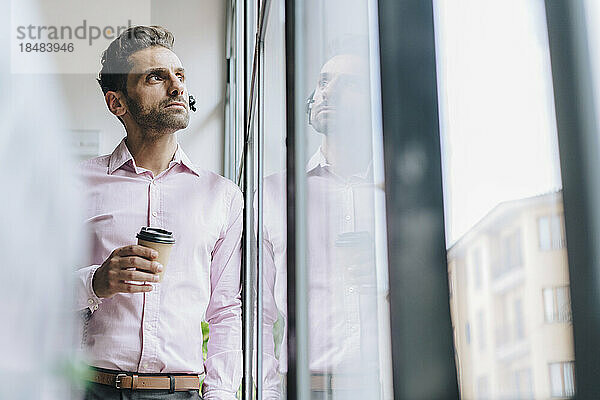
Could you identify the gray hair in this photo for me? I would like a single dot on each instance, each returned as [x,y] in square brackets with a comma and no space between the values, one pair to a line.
[115,59]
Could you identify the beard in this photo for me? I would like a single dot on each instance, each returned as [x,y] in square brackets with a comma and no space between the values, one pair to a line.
[158,117]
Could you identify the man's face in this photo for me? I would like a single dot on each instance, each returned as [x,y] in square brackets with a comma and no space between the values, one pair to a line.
[157,97]
[341,98]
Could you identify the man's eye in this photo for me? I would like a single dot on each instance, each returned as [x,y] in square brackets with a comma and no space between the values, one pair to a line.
[154,78]
[181,77]
[323,83]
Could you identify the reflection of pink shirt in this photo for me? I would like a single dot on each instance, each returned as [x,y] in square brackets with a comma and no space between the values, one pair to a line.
[160,331]
[335,206]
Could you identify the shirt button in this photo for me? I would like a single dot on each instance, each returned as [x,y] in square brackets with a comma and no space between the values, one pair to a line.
[154,214]
[347,218]
[146,365]
[351,290]
[95,307]
[90,301]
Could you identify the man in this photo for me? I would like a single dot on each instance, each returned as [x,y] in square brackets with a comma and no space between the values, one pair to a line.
[342,289]
[144,338]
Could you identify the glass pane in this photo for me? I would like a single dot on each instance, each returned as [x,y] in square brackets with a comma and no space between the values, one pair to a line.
[481,328]
[557,236]
[345,217]
[468,333]
[592,15]
[519,327]
[549,304]
[569,379]
[477,269]
[153,161]
[556,379]
[544,231]
[563,304]
[42,211]
[483,388]
[502,191]
[274,207]
[524,386]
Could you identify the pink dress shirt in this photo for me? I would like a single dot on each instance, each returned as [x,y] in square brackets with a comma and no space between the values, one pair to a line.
[342,337]
[160,331]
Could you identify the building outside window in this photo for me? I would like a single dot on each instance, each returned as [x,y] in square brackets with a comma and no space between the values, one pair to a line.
[523,384]
[481,329]
[483,388]
[562,379]
[511,251]
[468,333]
[519,324]
[550,232]
[557,304]
[477,268]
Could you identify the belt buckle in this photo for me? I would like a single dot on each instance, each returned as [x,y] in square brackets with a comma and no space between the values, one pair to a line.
[118,380]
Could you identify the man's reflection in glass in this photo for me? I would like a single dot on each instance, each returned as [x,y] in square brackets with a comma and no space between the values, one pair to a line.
[343,354]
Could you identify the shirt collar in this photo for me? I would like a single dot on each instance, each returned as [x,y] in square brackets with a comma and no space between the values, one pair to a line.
[121,155]
[318,160]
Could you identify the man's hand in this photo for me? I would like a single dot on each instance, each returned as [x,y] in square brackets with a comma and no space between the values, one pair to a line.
[110,278]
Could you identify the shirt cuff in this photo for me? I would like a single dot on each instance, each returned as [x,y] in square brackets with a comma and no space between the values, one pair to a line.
[217,394]
[92,301]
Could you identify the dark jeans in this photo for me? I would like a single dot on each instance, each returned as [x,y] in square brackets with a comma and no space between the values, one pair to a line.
[97,391]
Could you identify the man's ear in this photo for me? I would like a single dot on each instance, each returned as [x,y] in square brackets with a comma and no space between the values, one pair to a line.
[115,102]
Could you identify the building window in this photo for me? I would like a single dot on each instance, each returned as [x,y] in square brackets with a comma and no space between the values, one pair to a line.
[562,379]
[502,333]
[551,233]
[481,329]
[510,254]
[468,333]
[477,269]
[519,324]
[483,388]
[512,250]
[557,304]
[523,384]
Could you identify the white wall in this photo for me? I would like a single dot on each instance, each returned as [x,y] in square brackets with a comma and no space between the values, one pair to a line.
[199,30]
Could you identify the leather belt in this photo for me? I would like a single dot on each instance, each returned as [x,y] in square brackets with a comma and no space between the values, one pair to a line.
[173,383]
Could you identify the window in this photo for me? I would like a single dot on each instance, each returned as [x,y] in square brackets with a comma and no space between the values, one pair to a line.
[551,233]
[557,304]
[468,333]
[562,379]
[481,329]
[501,170]
[477,269]
[523,384]
[519,327]
[502,334]
[510,254]
[512,250]
[483,388]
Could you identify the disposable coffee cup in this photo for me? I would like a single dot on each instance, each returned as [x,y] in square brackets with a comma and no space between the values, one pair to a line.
[160,240]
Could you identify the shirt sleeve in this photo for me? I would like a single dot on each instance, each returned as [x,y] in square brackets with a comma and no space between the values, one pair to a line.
[271,376]
[224,360]
[84,291]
